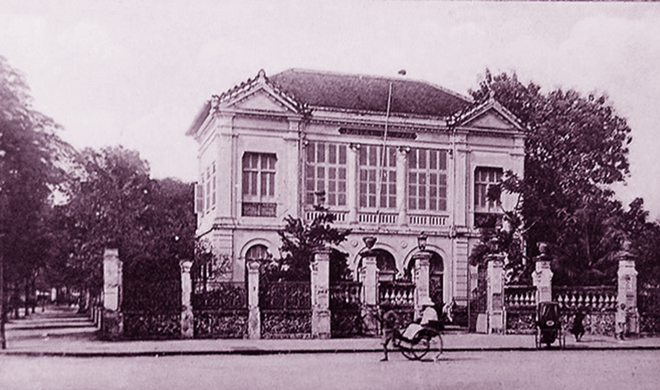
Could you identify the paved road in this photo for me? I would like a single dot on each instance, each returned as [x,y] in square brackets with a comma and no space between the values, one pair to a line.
[614,369]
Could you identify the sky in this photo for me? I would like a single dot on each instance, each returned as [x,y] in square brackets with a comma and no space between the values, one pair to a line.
[136,72]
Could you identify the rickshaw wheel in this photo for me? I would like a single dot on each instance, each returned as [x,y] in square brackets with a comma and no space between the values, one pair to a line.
[417,350]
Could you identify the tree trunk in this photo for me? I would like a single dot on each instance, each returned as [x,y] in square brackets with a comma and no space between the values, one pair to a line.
[26,302]
[3,318]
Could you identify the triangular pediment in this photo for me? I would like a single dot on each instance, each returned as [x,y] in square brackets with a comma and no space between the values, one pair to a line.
[261,100]
[491,120]
[490,115]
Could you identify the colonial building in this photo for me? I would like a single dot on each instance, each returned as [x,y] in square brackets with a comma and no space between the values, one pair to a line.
[391,157]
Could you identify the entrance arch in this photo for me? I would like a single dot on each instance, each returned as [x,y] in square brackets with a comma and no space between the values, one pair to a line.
[386,265]
[436,279]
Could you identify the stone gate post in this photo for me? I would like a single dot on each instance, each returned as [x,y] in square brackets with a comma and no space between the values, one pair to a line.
[187,315]
[369,296]
[254,313]
[495,293]
[112,324]
[321,291]
[627,290]
[422,261]
[542,277]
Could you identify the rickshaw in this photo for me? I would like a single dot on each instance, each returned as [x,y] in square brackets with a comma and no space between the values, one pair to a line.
[548,325]
[417,347]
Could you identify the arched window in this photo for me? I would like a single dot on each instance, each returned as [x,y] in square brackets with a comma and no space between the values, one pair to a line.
[257,252]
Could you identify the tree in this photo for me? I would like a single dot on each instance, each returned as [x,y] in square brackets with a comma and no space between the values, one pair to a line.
[114,203]
[575,147]
[301,240]
[31,155]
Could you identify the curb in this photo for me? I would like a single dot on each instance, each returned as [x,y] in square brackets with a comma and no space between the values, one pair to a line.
[264,352]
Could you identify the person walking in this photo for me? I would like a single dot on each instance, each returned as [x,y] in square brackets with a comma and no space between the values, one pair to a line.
[578,327]
[390,324]
[620,322]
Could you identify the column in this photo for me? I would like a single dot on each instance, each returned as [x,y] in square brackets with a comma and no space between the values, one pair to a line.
[495,293]
[352,182]
[542,276]
[321,290]
[187,316]
[401,187]
[627,291]
[113,324]
[422,261]
[254,314]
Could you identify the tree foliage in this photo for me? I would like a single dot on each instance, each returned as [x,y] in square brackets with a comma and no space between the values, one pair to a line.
[575,147]
[32,157]
[114,203]
[301,240]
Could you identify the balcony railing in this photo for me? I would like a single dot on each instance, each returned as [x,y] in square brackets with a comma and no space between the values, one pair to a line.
[390,219]
[340,216]
[427,220]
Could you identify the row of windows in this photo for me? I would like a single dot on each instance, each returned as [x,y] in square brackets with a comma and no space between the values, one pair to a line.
[326,175]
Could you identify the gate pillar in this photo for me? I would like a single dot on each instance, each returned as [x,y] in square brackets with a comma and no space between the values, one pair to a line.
[495,294]
[112,324]
[321,291]
[422,261]
[254,313]
[369,278]
[542,276]
[627,291]
[187,316]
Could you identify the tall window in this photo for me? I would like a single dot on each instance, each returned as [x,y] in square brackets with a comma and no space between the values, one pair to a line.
[483,179]
[208,181]
[325,171]
[427,180]
[259,184]
[377,168]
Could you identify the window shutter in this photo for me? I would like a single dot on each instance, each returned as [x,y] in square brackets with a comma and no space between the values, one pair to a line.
[199,198]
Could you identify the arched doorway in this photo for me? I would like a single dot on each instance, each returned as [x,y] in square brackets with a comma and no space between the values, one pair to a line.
[386,265]
[436,279]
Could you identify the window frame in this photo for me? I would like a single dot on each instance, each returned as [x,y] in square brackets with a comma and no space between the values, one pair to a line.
[432,170]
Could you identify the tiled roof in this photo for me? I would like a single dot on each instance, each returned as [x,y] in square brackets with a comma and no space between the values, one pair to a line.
[358,92]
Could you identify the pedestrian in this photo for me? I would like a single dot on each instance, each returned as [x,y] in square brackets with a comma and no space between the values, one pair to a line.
[578,327]
[390,324]
[620,322]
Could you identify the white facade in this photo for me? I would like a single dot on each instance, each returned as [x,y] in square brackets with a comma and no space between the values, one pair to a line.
[267,146]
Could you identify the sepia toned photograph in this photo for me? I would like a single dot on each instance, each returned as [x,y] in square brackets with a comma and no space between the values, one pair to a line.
[329,195]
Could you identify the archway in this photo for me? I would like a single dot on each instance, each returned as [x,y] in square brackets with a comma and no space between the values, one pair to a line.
[436,279]
[257,252]
[386,265]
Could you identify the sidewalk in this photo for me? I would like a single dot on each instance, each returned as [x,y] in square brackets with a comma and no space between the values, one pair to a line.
[59,331]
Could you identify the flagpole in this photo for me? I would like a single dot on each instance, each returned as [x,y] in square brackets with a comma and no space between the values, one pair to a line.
[379,180]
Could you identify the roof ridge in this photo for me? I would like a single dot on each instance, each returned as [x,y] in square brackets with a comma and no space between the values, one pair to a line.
[466,98]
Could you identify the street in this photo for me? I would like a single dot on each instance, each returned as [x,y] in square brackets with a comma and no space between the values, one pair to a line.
[612,369]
